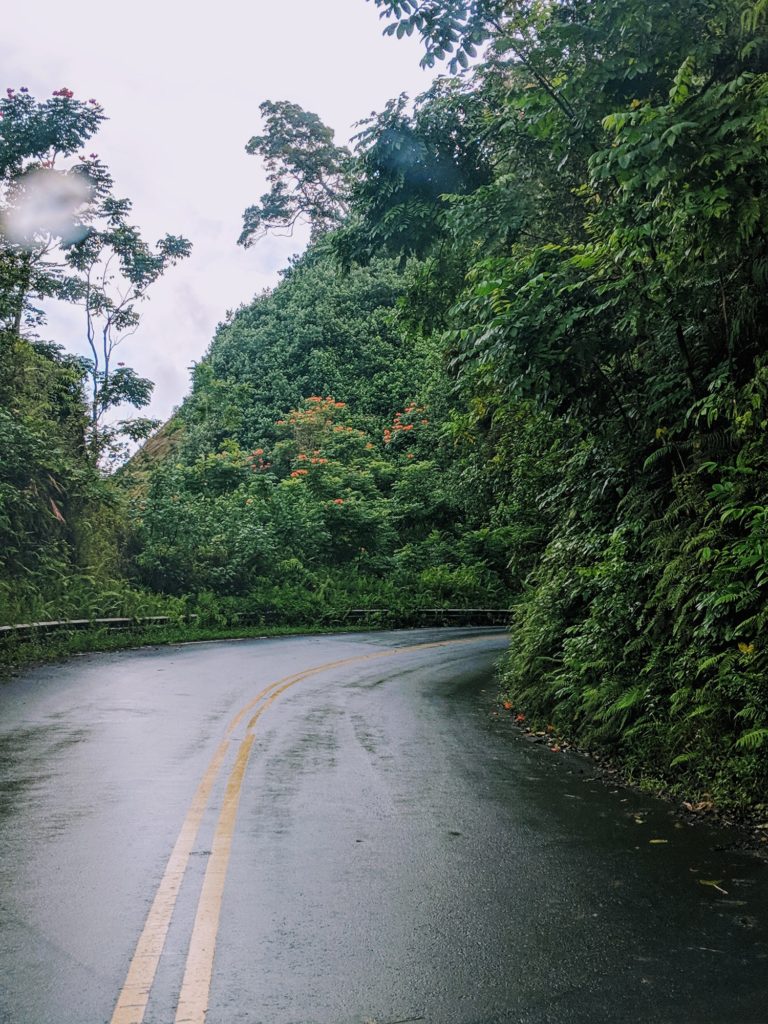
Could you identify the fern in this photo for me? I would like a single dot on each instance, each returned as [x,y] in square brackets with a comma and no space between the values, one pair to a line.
[752,740]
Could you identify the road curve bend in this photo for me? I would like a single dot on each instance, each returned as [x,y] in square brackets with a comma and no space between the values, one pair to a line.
[334,830]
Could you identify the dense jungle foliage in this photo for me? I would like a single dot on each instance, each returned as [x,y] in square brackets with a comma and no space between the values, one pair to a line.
[308,474]
[522,362]
[65,235]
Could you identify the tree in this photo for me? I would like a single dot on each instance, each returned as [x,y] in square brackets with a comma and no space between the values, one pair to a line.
[614,284]
[114,269]
[409,158]
[308,173]
[445,26]
[65,235]
[40,204]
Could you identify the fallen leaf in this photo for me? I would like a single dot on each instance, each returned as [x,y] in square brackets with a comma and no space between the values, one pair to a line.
[713,883]
[702,805]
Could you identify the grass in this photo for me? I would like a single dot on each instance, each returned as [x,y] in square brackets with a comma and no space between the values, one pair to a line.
[50,647]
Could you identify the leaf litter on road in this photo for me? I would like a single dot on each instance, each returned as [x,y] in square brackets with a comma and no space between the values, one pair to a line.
[713,883]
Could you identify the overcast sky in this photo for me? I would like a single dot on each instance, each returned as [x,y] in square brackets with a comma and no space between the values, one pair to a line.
[181,83]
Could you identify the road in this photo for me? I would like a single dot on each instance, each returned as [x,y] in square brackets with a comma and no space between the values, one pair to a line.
[334,830]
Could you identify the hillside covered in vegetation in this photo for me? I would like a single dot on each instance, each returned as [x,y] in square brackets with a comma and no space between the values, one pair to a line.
[310,474]
[522,362]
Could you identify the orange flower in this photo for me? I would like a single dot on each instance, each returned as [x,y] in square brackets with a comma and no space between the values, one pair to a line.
[519,718]
[507,705]
[259,451]
[338,501]
[299,472]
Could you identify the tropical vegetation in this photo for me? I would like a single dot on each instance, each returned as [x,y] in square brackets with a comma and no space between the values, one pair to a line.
[522,363]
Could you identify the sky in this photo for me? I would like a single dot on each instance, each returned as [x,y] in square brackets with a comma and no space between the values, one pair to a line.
[181,84]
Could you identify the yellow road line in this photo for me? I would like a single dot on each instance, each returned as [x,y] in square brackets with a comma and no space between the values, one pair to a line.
[135,992]
[199,967]
[195,988]
[306,673]
[134,995]
[297,677]
[193,1000]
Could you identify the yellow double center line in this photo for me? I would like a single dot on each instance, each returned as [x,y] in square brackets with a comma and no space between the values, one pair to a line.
[193,998]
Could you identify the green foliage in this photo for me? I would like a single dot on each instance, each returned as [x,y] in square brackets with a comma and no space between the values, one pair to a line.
[614,296]
[446,26]
[321,332]
[280,495]
[59,519]
[409,158]
[523,359]
[307,172]
[64,234]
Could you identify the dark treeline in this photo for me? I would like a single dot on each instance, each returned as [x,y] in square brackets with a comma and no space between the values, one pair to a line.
[522,363]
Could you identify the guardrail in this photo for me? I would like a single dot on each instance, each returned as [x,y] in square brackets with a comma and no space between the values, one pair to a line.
[31,629]
[268,616]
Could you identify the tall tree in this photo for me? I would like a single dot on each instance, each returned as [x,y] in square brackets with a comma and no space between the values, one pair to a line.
[65,235]
[307,171]
[41,202]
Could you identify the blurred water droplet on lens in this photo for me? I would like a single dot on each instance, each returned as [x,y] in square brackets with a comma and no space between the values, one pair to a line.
[47,202]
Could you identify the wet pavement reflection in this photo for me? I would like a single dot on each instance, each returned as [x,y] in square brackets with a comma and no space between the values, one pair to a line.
[398,852]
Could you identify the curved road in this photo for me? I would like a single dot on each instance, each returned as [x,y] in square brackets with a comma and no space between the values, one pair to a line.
[333,830]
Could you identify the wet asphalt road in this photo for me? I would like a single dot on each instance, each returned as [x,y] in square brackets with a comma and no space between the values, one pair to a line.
[396,853]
